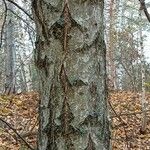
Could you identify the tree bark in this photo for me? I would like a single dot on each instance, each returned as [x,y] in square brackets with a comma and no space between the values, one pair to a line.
[10,54]
[70,57]
[143,92]
[111,47]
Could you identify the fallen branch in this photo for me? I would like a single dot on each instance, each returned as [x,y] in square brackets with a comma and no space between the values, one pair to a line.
[128,114]
[14,130]
[27,134]
[122,122]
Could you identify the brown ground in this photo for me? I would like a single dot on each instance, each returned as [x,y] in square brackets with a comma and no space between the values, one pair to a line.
[20,111]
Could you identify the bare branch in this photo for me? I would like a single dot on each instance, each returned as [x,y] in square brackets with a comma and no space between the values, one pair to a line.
[143,7]
[21,19]
[20,8]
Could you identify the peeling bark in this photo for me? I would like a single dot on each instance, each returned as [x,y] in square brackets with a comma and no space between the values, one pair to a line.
[70,56]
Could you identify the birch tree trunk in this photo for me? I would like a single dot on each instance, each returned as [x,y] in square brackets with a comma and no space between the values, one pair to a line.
[22,76]
[70,57]
[111,52]
[10,54]
[143,98]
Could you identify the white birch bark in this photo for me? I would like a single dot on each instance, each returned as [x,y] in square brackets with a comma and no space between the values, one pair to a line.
[143,99]
[10,53]
[70,57]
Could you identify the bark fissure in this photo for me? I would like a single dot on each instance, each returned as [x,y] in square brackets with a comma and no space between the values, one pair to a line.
[70,60]
[38,10]
[66,114]
[91,145]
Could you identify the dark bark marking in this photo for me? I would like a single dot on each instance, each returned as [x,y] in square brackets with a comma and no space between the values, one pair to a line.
[67,25]
[52,8]
[58,31]
[61,28]
[89,2]
[38,10]
[92,120]
[78,82]
[66,116]
[105,133]
[91,144]
[42,63]
[64,79]
[69,144]
[93,89]
[50,129]
[94,95]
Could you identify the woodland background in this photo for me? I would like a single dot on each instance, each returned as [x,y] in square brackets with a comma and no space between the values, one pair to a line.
[128,70]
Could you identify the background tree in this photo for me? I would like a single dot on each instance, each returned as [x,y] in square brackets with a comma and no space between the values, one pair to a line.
[10,49]
[16,49]
[122,36]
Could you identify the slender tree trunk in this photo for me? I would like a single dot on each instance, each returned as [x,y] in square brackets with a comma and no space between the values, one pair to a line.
[10,54]
[111,52]
[70,57]
[143,99]
[23,81]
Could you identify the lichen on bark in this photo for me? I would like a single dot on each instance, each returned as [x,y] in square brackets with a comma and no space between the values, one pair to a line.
[71,64]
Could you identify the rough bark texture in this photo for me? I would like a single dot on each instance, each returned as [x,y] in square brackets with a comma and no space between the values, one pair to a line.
[70,57]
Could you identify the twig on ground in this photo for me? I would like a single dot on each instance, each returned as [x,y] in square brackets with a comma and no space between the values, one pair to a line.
[14,130]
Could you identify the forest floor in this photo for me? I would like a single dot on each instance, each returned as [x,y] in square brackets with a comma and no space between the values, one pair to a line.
[20,113]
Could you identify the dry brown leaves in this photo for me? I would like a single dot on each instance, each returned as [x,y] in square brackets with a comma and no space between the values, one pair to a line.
[127,135]
[20,111]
